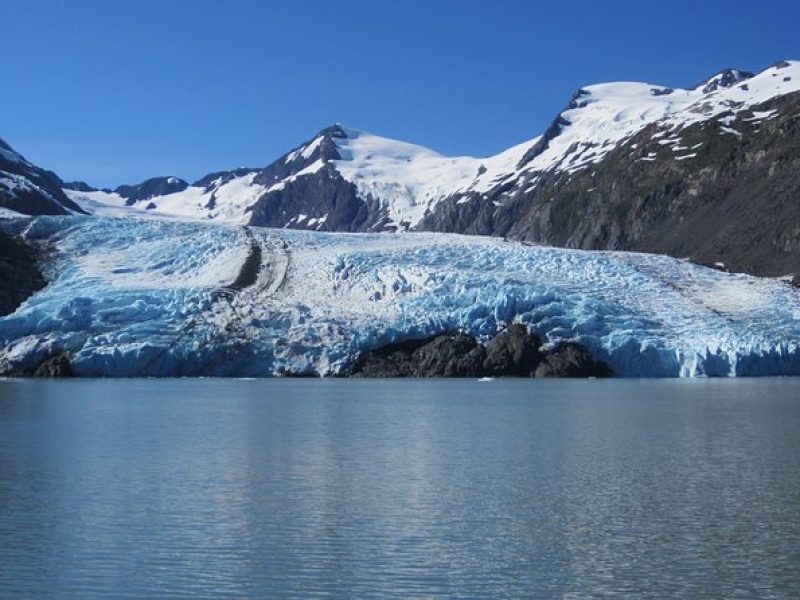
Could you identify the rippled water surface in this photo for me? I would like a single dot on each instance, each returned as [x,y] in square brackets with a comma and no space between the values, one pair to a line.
[346,488]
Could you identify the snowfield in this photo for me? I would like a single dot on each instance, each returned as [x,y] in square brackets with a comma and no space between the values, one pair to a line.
[144,297]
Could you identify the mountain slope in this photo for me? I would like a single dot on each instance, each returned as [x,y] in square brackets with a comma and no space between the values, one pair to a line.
[708,173]
[28,189]
[716,181]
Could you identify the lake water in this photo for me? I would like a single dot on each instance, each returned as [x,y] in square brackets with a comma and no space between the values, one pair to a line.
[412,489]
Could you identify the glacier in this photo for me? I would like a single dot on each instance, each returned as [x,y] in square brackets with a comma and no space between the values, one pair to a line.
[143,297]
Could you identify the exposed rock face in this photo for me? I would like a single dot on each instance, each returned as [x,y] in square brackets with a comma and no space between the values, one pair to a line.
[78,186]
[214,180]
[456,355]
[28,189]
[733,199]
[157,186]
[56,366]
[321,200]
[19,275]
[570,360]
[512,353]
[724,79]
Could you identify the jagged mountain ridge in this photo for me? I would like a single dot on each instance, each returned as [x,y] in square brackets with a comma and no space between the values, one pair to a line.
[615,170]
[28,189]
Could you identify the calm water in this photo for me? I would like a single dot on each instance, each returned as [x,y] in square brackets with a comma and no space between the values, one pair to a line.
[301,488]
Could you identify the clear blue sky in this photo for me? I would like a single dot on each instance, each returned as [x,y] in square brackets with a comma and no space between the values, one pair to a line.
[114,92]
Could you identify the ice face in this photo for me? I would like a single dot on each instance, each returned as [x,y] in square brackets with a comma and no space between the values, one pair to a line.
[132,297]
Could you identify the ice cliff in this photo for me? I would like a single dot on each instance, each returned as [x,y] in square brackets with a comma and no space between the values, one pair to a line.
[131,297]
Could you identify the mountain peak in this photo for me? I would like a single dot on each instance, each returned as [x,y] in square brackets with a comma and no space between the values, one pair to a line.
[336,131]
[155,186]
[724,79]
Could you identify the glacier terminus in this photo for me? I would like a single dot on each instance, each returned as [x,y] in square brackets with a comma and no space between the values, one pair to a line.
[145,297]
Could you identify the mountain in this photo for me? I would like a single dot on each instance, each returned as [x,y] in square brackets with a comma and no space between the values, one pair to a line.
[152,188]
[30,190]
[223,196]
[158,297]
[710,173]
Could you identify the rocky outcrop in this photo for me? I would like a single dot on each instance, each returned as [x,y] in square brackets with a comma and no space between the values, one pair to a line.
[513,352]
[19,274]
[732,197]
[78,186]
[214,180]
[570,360]
[28,189]
[157,186]
[322,202]
[321,199]
[58,366]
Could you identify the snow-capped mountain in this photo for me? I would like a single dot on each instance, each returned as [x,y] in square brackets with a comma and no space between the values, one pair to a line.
[137,297]
[689,172]
[710,173]
[28,189]
[223,197]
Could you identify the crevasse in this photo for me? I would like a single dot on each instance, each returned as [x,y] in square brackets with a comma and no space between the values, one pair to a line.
[132,297]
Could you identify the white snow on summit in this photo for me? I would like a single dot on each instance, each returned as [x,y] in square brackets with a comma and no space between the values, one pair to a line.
[406,178]
[409,180]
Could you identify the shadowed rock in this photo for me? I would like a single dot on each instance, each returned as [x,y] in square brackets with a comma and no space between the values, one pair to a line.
[571,360]
[19,275]
[56,366]
[513,352]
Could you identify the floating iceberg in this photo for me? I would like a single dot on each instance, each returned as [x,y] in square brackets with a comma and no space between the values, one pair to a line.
[130,297]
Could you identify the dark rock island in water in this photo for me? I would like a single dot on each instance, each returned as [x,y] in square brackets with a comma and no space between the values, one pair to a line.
[512,353]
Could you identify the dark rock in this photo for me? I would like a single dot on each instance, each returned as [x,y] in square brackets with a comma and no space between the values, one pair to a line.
[449,356]
[735,202]
[324,193]
[724,79]
[661,91]
[40,195]
[513,352]
[393,360]
[218,178]
[571,360]
[455,355]
[796,281]
[248,274]
[19,274]
[78,186]
[55,366]
[157,186]
[289,374]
